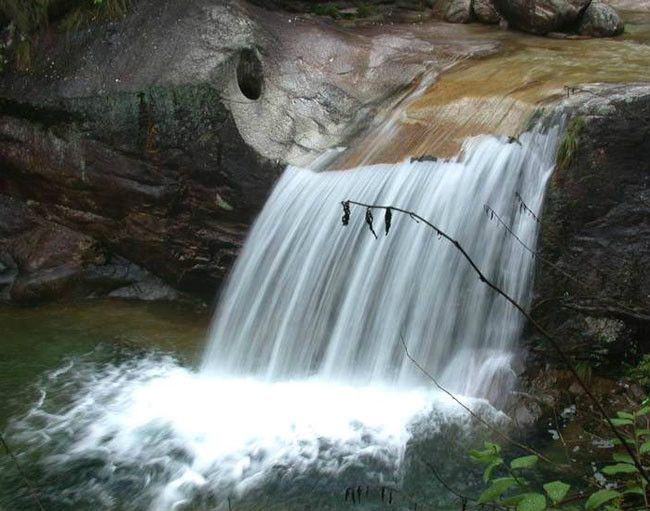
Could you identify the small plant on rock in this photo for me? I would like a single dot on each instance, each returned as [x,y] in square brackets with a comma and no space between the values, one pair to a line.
[568,149]
[329,9]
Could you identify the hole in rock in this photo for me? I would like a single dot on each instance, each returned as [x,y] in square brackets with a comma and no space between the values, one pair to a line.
[250,75]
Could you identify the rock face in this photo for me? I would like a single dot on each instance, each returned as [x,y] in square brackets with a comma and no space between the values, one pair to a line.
[459,11]
[140,151]
[485,12]
[596,231]
[600,20]
[541,16]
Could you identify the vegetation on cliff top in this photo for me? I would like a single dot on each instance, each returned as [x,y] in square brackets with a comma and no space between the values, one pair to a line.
[22,19]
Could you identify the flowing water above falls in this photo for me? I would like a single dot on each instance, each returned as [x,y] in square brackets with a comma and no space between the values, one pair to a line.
[305,387]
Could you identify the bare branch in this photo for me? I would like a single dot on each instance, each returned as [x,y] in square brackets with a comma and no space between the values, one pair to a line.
[470,411]
[539,328]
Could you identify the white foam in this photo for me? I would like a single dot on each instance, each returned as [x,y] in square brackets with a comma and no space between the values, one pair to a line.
[234,433]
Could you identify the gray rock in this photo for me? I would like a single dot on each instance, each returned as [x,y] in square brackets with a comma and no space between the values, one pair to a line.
[600,20]
[459,11]
[485,12]
[158,138]
[595,227]
[541,16]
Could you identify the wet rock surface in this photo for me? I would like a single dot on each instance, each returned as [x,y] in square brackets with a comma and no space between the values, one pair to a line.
[596,233]
[158,139]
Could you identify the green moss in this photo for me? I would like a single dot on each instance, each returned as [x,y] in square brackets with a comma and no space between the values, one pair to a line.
[329,9]
[569,146]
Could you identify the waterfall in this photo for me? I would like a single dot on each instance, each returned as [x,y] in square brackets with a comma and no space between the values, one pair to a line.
[309,297]
[305,389]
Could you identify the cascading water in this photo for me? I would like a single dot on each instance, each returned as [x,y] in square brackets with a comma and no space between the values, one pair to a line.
[305,384]
[309,297]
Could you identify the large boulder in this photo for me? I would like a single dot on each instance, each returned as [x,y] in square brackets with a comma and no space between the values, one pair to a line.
[541,16]
[595,231]
[485,11]
[459,11]
[600,20]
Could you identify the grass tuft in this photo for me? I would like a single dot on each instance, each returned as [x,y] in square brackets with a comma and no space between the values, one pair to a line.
[329,9]
[568,148]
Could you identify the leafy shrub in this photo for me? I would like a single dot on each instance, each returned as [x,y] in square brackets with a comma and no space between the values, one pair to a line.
[619,485]
[641,372]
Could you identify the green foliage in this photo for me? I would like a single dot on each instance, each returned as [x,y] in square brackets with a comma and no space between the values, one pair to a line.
[27,17]
[599,498]
[624,486]
[641,373]
[569,146]
[556,491]
[329,9]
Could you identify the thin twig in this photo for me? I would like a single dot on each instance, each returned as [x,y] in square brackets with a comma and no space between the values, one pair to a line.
[540,329]
[493,214]
[525,207]
[470,411]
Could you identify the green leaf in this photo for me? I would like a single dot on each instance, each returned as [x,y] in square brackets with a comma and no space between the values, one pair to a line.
[524,462]
[532,502]
[623,458]
[512,500]
[495,490]
[636,490]
[642,411]
[487,474]
[621,422]
[619,468]
[556,490]
[490,446]
[487,455]
[625,415]
[645,448]
[600,497]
